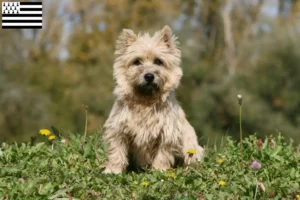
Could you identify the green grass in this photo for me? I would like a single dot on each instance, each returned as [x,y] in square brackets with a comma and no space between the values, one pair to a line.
[73,170]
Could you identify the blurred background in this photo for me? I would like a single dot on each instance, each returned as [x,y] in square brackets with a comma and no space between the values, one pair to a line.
[230,47]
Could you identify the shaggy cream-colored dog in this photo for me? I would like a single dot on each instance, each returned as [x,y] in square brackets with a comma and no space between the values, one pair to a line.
[146,121]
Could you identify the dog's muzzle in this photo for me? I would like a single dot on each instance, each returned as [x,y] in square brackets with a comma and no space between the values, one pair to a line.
[147,89]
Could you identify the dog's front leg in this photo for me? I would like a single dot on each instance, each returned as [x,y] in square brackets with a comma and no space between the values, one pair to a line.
[117,156]
[190,142]
[163,160]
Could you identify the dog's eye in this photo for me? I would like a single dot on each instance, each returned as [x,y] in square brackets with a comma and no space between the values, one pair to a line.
[158,62]
[137,62]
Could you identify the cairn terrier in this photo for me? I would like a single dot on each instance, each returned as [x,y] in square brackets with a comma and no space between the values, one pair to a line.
[146,122]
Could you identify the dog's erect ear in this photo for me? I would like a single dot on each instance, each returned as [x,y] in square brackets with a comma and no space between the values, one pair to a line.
[126,38]
[166,36]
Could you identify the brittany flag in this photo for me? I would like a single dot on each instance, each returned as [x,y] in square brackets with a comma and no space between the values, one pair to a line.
[18,15]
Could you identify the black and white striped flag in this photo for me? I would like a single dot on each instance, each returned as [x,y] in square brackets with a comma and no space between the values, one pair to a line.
[18,15]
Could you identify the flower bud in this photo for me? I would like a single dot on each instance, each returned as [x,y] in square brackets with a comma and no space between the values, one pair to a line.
[240,98]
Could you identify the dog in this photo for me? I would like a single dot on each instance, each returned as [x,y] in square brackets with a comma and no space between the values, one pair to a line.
[146,121]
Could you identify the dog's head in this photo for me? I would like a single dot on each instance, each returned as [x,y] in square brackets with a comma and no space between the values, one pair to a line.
[147,66]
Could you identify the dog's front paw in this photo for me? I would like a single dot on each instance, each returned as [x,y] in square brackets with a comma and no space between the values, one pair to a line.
[109,170]
[193,157]
[200,154]
[161,167]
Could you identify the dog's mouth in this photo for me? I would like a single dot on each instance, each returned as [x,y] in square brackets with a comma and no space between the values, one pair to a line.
[147,89]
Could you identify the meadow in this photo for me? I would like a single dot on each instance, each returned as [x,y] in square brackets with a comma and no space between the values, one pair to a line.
[69,167]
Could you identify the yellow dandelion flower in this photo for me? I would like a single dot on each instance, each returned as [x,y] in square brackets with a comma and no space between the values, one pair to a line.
[45,132]
[51,137]
[219,161]
[171,175]
[298,196]
[191,151]
[222,183]
[135,182]
[145,184]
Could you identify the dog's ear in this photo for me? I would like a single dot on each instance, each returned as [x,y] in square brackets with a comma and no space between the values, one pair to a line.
[166,36]
[126,38]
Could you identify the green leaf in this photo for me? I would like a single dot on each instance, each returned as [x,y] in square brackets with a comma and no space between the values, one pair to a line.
[209,196]
[59,193]
[88,150]
[46,189]
[293,173]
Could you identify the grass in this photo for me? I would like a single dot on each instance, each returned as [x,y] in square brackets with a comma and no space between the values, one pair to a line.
[72,170]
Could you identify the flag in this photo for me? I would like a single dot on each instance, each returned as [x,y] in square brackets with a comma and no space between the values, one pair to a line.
[18,15]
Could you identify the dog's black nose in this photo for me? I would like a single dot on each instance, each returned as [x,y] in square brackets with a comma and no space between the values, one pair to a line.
[149,77]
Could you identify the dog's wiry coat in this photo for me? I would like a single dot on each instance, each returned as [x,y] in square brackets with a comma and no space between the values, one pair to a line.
[146,120]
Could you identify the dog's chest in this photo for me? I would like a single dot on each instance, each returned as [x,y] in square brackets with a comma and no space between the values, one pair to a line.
[148,125]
